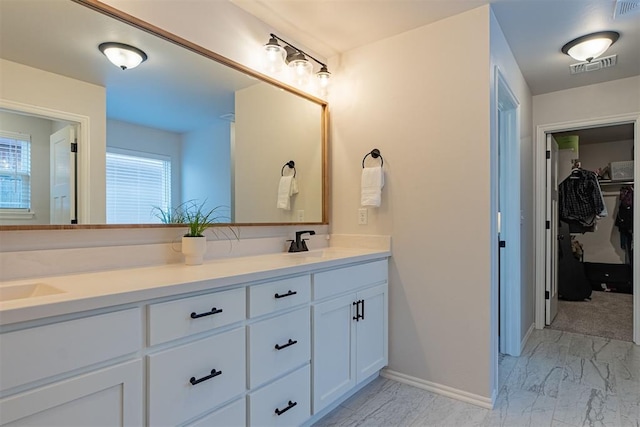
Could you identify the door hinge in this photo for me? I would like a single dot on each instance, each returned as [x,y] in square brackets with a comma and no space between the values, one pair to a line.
[74,147]
[546,294]
[548,154]
[502,243]
[548,225]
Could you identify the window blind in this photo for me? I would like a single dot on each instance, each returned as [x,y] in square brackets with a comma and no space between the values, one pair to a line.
[15,171]
[136,184]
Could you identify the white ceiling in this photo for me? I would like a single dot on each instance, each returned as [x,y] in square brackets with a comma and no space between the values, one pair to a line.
[535,30]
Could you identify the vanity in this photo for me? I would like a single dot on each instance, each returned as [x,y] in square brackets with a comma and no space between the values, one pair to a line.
[275,339]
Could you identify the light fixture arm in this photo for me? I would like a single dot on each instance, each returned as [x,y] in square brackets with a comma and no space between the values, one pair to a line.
[299,50]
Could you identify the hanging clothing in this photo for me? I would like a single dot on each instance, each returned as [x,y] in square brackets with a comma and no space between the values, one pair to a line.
[624,222]
[580,200]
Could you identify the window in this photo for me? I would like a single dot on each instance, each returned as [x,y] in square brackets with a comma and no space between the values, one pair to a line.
[15,171]
[136,184]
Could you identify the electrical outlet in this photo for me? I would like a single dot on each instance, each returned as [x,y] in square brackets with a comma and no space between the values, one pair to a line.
[363,216]
[300,215]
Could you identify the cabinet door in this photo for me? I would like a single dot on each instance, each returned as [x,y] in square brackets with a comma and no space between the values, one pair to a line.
[108,397]
[371,332]
[333,341]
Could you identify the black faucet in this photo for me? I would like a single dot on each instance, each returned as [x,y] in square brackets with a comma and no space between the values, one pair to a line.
[299,244]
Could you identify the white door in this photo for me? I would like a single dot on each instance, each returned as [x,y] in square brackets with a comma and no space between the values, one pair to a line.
[551,282]
[334,329]
[371,332]
[62,176]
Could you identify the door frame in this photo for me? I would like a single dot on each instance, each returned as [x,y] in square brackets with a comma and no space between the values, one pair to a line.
[83,177]
[540,207]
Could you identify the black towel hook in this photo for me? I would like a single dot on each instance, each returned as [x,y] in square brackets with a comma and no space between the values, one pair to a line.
[375,153]
[292,165]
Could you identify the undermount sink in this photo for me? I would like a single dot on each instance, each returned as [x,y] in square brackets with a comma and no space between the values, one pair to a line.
[30,290]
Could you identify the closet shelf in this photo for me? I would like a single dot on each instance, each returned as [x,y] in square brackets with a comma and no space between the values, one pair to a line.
[615,182]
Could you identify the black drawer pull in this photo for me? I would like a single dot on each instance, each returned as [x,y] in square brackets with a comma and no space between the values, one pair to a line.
[213,311]
[289,406]
[291,342]
[362,316]
[288,294]
[214,373]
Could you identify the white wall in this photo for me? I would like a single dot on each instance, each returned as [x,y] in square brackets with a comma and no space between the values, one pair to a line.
[40,130]
[430,120]
[31,86]
[502,57]
[587,102]
[206,175]
[263,150]
[129,136]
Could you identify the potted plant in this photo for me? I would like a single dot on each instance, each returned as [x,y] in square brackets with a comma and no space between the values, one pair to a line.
[197,218]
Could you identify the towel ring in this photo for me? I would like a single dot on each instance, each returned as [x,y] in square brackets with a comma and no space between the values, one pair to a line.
[292,165]
[375,153]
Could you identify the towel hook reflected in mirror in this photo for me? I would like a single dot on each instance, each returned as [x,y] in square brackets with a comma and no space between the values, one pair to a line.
[375,153]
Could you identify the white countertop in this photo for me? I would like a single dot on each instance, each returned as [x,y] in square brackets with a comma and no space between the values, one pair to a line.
[88,291]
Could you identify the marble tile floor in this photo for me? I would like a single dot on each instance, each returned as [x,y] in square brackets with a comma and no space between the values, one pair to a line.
[561,380]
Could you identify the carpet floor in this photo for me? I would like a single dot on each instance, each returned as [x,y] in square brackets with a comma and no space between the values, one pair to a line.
[607,315]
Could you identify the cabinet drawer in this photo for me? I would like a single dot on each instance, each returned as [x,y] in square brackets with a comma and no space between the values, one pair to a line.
[232,415]
[274,296]
[188,316]
[175,392]
[340,280]
[291,333]
[292,391]
[44,351]
[107,397]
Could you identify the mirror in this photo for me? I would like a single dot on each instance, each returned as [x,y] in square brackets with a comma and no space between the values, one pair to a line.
[206,130]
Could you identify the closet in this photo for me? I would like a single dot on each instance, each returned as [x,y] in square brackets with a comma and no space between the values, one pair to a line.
[600,162]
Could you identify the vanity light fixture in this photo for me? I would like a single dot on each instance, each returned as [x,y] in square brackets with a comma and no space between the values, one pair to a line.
[590,46]
[295,58]
[122,55]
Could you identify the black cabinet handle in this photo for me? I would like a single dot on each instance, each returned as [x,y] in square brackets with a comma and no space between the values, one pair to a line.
[289,406]
[214,373]
[213,311]
[288,294]
[291,342]
[357,316]
[362,315]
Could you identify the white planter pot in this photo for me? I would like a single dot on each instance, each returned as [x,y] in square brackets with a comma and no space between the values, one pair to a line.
[194,249]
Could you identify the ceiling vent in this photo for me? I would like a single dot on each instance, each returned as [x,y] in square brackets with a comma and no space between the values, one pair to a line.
[596,64]
[626,7]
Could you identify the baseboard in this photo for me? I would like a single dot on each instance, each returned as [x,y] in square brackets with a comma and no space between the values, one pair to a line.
[526,338]
[474,399]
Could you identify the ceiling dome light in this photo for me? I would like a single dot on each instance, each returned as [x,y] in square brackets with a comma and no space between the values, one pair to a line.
[591,46]
[123,55]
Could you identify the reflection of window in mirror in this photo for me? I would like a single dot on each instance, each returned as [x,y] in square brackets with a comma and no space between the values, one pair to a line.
[138,184]
[15,173]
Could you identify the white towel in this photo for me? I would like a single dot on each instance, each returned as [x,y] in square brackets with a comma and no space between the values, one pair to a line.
[371,186]
[286,188]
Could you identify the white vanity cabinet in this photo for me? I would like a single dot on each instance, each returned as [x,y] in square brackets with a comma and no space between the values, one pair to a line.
[266,350]
[68,357]
[350,329]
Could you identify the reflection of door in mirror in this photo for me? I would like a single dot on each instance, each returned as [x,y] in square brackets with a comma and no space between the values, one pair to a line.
[27,186]
[62,194]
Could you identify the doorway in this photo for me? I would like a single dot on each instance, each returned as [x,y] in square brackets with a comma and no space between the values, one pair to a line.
[542,255]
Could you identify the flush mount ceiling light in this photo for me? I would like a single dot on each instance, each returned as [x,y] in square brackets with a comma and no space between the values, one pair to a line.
[590,46]
[122,55]
[295,58]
